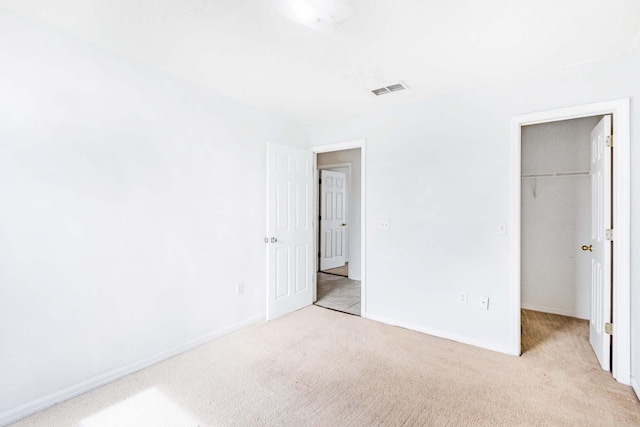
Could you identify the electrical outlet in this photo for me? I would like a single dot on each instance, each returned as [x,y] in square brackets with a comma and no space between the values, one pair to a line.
[384,224]
[240,289]
[462,297]
[484,302]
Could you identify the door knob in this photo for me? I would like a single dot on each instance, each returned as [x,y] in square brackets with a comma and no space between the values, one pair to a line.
[274,240]
[344,225]
[587,248]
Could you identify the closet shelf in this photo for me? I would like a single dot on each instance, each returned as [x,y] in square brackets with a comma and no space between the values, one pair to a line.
[556,174]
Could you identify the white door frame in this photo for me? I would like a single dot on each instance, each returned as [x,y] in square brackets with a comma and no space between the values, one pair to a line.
[621,358]
[346,145]
[348,203]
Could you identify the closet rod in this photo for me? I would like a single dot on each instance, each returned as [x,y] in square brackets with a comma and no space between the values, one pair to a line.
[556,174]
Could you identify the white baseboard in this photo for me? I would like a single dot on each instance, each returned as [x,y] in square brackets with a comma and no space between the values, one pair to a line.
[442,334]
[67,393]
[636,387]
[550,310]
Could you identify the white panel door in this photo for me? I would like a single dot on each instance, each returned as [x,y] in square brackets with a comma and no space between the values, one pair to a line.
[600,246]
[333,217]
[289,232]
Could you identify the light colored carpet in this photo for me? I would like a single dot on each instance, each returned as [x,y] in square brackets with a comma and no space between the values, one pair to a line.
[341,271]
[339,293]
[318,367]
[552,336]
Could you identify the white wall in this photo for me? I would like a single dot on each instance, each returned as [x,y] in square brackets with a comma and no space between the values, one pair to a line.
[556,217]
[121,237]
[353,157]
[129,208]
[439,170]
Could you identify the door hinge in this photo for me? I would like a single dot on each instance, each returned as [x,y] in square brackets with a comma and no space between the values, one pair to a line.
[320,181]
[610,141]
[266,240]
[608,328]
[319,218]
[608,234]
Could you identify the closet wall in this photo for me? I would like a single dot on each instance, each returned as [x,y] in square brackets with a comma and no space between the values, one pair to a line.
[556,217]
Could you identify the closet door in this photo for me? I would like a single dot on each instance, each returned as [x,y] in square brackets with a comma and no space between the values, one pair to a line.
[601,243]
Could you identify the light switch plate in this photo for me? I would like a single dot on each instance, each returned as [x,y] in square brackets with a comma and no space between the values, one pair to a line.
[501,227]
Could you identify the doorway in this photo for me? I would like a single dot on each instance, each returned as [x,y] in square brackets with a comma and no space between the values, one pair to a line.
[558,302]
[528,186]
[339,229]
[292,227]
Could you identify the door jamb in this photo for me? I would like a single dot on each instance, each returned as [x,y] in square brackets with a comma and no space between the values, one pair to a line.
[621,358]
[327,148]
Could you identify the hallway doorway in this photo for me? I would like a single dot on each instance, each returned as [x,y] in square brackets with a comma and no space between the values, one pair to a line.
[339,227]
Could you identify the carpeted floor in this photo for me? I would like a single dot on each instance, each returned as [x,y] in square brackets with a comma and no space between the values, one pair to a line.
[318,367]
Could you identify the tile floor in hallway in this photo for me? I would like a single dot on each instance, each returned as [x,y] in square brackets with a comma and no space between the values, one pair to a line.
[338,293]
[340,271]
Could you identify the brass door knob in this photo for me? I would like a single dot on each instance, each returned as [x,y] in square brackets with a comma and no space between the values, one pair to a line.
[587,248]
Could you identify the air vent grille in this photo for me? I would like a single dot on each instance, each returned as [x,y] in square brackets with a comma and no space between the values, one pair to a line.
[388,89]
[381,91]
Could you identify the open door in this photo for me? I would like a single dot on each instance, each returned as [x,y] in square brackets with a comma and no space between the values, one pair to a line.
[333,214]
[289,231]
[600,246]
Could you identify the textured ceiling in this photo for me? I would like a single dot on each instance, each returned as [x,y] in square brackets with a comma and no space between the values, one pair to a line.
[251,50]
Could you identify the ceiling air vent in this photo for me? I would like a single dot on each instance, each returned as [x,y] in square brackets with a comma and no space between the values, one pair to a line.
[388,89]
